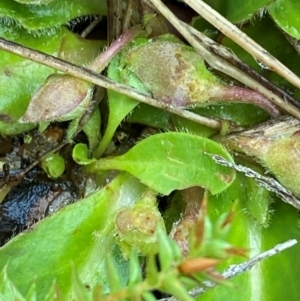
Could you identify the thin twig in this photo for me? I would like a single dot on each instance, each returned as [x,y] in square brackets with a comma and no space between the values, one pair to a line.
[266,182]
[239,37]
[100,80]
[89,28]
[104,58]
[237,269]
[231,58]
[221,64]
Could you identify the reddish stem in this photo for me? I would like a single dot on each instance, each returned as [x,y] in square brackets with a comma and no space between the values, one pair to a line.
[104,58]
[244,95]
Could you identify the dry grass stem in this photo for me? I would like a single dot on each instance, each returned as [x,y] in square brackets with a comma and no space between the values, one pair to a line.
[221,64]
[100,80]
[239,37]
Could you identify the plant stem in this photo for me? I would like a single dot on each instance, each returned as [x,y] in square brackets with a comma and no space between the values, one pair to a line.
[104,58]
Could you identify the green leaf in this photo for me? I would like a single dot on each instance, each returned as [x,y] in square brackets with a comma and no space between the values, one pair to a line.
[80,154]
[8,291]
[149,296]
[46,18]
[171,161]
[53,293]
[173,286]
[165,253]
[267,34]
[154,117]
[78,289]
[112,275]
[34,2]
[260,282]
[235,113]
[31,295]
[119,107]
[53,165]
[92,128]
[79,235]
[135,272]
[286,14]
[151,270]
[24,77]
[238,11]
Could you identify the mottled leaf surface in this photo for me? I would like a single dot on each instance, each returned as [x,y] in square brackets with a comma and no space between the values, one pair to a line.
[20,78]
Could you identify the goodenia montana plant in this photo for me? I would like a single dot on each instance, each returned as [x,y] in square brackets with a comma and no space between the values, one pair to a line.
[81,226]
[103,247]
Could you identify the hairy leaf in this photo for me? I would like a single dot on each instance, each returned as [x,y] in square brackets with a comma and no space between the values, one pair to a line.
[19,78]
[177,75]
[61,97]
[237,11]
[80,235]
[45,19]
[119,107]
[170,161]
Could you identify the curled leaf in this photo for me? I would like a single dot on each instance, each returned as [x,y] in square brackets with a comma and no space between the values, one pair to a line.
[81,155]
[24,77]
[62,97]
[53,165]
[286,14]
